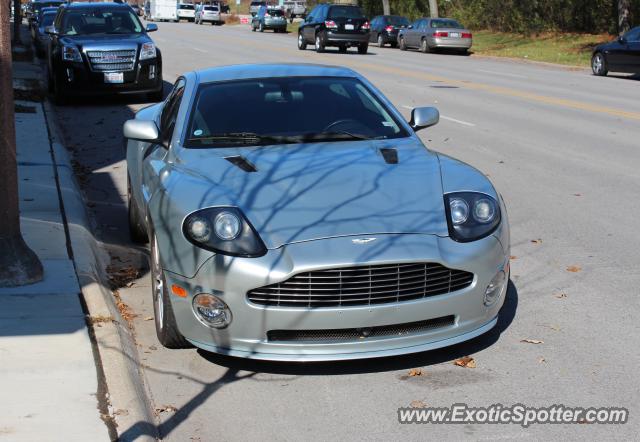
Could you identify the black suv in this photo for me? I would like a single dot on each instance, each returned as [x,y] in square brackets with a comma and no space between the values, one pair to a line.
[335,25]
[384,29]
[102,48]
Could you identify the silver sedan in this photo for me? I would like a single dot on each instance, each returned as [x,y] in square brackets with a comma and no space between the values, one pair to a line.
[429,34]
[293,214]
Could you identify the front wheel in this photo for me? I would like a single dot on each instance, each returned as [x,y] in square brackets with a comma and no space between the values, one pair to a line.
[363,48]
[599,64]
[302,44]
[165,320]
[403,46]
[380,40]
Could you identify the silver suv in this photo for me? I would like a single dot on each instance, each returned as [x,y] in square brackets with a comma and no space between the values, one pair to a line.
[208,14]
[293,9]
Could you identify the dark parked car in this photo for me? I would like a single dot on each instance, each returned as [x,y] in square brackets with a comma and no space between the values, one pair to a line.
[35,9]
[384,29]
[269,18]
[335,25]
[622,55]
[429,34]
[102,48]
[40,37]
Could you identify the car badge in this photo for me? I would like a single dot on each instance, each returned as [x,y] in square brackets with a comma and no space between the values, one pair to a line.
[363,240]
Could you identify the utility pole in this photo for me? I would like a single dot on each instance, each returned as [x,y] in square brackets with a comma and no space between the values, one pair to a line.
[433,8]
[386,10]
[623,16]
[17,20]
[18,264]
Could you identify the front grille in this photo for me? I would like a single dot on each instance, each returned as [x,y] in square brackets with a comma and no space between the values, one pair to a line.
[356,334]
[362,285]
[108,61]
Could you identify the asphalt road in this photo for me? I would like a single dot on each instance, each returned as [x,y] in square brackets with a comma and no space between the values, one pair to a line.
[562,146]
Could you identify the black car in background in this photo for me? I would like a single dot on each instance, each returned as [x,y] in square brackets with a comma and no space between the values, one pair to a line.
[384,29]
[622,55]
[40,37]
[343,26]
[102,48]
[34,11]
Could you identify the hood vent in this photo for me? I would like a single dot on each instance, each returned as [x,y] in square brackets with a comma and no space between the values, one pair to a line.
[390,155]
[242,163]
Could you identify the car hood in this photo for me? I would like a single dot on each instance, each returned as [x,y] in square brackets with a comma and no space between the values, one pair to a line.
[99,41]
[321,190]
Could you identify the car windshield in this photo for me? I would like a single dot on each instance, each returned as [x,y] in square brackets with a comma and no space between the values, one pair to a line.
[288,110]
[275,12]
[47,19]
[39,5]
[446,24]
[100,21]
[395,20]
[345,12]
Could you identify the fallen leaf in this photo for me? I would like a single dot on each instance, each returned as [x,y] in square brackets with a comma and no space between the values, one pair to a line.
[153,347]
[417,404]
[560,295]
[467,362]
[513,257]
[149,318]
[574,269]
[541,360]
[536,241]
[532,341]
[415,372]
[166,408]
[121,412]
[577,194]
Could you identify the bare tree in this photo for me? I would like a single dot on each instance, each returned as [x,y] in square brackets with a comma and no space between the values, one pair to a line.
[386,10]
[623,16]
[18,264]
[433,8]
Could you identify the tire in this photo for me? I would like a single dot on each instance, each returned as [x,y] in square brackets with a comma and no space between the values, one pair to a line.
[302,44]
[363,48]
[319,43]
[380,41]
[165,321]
[403,46]
[424,46]
[342,49]
[393,44]
[261,27]
[599,64]
[253,28]
[137,231]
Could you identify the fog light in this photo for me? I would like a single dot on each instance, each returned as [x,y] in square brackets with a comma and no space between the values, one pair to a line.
[152,72]
[494,289]
[211,311]
[69,75]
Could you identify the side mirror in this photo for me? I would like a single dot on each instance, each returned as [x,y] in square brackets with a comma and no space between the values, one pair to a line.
[622,40]
[141,130]
[152,27]
[50,30]
[423,117]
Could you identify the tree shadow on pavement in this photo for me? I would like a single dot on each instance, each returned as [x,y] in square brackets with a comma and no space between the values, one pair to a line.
[392,363]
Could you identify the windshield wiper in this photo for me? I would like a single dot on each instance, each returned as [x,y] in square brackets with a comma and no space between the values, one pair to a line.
[245,138]
[338,135]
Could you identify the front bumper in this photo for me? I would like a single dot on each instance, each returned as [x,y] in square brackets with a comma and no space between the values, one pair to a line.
[333,38]
[231,278]
[78,79]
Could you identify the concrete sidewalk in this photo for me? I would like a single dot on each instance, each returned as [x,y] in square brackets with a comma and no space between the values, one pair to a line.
[48,378]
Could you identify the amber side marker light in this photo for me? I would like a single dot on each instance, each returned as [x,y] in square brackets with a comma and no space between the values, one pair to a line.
[178,291]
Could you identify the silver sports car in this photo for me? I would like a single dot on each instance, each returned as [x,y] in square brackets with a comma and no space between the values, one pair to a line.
[293,214]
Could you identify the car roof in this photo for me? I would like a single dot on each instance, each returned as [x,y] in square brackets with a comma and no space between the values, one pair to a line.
[248,71]
[79,5]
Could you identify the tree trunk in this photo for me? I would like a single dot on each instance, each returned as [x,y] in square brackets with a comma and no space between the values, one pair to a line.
[623,16]
[18,264]
[386,10]
[433,8]
[17,21]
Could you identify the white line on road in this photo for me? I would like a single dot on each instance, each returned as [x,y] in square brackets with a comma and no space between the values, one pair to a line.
[502,73]
[200,50]
[464,123]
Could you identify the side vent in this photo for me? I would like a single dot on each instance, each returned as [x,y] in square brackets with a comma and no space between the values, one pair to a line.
[242,163]
[390,155]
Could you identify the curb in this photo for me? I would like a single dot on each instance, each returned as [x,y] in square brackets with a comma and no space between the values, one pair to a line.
[126,394]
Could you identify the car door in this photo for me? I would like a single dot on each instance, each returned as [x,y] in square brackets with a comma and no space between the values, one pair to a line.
[154,154]
[632,54]
[311,23]
[375,28]
[413,33]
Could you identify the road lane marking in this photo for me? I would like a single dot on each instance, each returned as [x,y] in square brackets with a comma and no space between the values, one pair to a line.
[200,50]
[464,123]
[468,84]
[502,73]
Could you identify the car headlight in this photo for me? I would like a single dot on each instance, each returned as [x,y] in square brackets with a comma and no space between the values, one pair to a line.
[147,51]
[470,215]
[71,53]
[223,230]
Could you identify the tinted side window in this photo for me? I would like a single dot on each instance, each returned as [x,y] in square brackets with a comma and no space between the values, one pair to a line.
[633,35]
